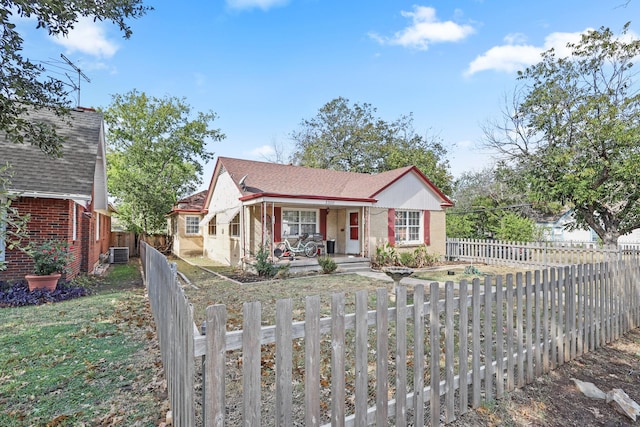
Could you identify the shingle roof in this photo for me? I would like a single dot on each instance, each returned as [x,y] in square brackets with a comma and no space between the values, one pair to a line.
[297,181]
[194,202]
[72,174]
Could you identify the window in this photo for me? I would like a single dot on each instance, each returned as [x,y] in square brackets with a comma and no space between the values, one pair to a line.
[407,226]
[74,221]
[213,227]
[192,225]
[297,222]
[97,225]
[234,226]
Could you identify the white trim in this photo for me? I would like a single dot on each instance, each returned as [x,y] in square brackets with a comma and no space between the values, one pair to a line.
[186,225]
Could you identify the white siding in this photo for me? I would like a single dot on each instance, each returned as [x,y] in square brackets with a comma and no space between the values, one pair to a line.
[225,204]
[409,192]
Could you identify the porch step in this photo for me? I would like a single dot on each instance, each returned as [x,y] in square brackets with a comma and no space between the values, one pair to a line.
[352,265]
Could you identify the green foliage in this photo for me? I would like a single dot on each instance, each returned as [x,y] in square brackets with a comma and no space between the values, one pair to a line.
[574,131]
[154,154]
[264,266]
[407,259]
[385,255]
[51,256]
[351,138]
[22,84]
[422,258]
[327,264]
[515,228]
[460,225]
[13,225]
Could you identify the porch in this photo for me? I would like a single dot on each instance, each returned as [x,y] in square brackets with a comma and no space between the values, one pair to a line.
[346,263]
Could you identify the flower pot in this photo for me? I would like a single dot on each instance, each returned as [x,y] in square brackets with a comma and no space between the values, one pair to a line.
[48,282]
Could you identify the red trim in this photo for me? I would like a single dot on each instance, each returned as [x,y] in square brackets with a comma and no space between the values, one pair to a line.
[427,228]
[290,196]
[277,224]
[391,226]
[323,223]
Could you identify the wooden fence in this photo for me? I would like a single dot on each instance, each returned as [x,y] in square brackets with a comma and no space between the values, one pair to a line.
[173,316]
[415,357]
[537,254]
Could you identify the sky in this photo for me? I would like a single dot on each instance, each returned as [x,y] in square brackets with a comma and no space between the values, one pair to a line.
[263,66]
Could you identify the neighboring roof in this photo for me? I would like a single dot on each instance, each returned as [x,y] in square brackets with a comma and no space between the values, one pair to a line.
[274,179]
[192,203]
[71,175]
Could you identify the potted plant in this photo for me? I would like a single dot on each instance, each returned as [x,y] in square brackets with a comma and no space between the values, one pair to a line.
[50,259]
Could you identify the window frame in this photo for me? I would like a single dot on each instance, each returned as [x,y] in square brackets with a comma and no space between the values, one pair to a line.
[213,226]
[188,226]
[410,229]
[299,223]
[234,224]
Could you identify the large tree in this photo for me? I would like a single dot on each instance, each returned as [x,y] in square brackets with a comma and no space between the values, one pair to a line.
[574,130]
[352,138]
[23,84]
[155,150]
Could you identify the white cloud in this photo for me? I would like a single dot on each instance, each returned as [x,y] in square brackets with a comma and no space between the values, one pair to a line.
[252,4]
[424,30]
[263,151]
[88,37]
[516,54]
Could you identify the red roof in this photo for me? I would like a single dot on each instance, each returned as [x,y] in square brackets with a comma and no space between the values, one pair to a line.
[192,203]
[274,179]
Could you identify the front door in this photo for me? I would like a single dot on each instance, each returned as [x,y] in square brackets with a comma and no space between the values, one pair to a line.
[353,232]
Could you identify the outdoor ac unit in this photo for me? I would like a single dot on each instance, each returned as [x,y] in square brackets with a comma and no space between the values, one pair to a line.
[118,255]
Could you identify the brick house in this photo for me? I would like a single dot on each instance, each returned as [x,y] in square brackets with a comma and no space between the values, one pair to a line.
[65,197]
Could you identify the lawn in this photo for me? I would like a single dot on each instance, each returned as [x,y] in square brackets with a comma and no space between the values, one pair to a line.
[87,361]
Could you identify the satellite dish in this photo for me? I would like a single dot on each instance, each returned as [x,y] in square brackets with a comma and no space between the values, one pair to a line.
[241,182]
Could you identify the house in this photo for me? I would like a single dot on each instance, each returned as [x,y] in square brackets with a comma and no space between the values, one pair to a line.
[555,229]
[65,197]
[184,225]
[251,203]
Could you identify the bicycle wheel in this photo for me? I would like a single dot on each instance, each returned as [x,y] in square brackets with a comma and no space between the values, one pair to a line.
[311,249]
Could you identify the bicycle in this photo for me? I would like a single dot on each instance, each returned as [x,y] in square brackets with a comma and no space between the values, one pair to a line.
[285,249]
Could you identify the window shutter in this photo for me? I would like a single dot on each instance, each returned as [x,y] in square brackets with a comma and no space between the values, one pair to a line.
[427,228]
[323,223]
[391,226]
[277,226]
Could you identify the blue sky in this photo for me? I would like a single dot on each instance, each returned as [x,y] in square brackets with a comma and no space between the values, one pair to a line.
[265,65]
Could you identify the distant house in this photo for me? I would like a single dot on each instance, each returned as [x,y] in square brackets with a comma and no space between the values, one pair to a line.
[250,204]
[66,197]
[184,225]
[554,228]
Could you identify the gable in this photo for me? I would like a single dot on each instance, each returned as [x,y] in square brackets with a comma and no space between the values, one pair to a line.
[71,176]
[409,192]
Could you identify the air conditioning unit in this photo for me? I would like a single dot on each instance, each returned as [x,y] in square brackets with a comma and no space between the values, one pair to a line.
[118,255]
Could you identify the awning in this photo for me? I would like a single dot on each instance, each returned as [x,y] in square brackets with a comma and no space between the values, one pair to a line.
[224,216]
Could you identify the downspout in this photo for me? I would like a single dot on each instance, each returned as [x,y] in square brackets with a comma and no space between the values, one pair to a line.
[366,217]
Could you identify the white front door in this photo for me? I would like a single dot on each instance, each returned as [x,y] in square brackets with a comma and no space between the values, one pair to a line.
[353,232]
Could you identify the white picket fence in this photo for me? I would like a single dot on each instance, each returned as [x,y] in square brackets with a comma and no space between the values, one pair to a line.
[415,357]
[536,254]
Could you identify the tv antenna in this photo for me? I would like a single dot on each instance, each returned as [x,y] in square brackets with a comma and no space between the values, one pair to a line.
[80,74]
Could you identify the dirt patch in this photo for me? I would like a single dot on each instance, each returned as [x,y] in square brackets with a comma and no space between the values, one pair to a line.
[554,400]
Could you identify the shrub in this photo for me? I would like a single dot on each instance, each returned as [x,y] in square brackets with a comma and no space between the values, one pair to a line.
[264,266]
[328,264]
[422,258]
[386,255]
[52,256]
[407,259]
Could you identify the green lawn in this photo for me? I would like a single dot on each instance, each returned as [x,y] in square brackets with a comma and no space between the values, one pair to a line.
[88,361]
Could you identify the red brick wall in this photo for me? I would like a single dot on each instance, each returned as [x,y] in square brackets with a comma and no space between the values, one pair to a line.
[53,219]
